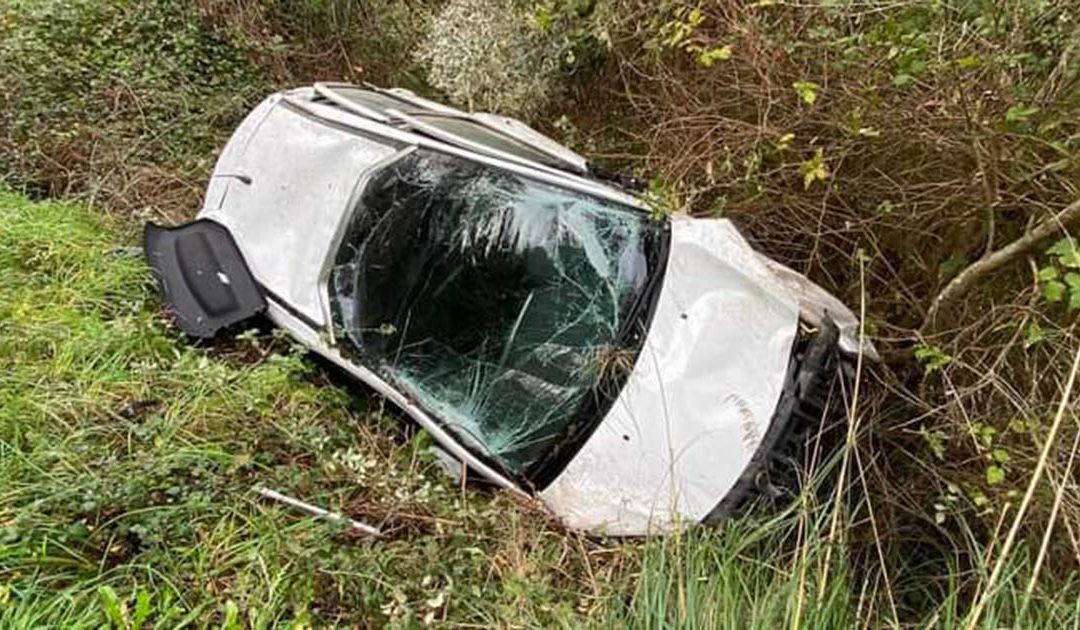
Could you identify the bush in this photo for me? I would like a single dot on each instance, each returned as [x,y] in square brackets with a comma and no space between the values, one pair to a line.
[300,41]
[126,101]
[882,149]
[508,56]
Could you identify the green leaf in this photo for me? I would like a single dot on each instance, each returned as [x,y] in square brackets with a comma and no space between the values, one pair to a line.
[707,57]
[931,357]
[1033,335]
[994,475]
[695,17]
[1000,455]
[1053,291]
[115,609]
[544,19]
[813,170]
[784,141]
[1072,280]
[1046,274]
[952,265]
[968,62]
[142,608]
[1066,253]
[885,207]
[1019,113]
[232,616]
[807,91]
[902,79]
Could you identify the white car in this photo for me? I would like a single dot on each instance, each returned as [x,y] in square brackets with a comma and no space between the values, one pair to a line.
[632,372]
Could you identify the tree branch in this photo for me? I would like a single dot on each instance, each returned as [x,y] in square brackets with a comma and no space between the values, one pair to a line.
[968,278]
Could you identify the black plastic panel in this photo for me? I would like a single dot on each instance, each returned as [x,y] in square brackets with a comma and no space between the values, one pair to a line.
[203,276]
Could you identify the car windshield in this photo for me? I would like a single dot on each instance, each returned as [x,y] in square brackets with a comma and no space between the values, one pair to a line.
[509,309]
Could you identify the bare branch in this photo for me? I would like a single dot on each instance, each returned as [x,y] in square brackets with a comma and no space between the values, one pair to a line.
[968,278]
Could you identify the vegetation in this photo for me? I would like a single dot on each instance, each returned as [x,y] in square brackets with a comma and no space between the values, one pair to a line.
[919,158]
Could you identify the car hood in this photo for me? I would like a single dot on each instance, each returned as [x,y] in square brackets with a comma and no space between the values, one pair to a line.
[701,395]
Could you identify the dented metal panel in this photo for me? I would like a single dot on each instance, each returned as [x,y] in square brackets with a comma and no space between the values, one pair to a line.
[298,175]
[700,397]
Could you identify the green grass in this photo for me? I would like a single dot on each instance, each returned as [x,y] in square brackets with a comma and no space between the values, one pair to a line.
[127,458]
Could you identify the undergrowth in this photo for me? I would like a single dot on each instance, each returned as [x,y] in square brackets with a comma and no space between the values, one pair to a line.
[125,102]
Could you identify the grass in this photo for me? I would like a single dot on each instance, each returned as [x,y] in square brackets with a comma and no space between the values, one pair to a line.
[128,456]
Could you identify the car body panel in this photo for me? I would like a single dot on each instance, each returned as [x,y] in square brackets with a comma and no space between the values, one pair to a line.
[701,394]
[300,175]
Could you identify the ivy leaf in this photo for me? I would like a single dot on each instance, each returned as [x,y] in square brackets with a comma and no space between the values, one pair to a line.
[994,475]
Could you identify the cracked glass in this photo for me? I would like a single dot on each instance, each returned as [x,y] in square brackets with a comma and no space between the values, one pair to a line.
[509,309]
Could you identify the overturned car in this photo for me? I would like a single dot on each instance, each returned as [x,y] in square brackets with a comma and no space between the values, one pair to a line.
[632,372]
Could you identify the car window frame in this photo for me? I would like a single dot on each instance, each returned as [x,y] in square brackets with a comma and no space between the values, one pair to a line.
[546,475]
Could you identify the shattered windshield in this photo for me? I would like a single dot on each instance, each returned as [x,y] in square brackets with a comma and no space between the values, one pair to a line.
[511,310]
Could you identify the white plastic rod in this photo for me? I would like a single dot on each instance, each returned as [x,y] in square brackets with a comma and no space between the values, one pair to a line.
[315,510]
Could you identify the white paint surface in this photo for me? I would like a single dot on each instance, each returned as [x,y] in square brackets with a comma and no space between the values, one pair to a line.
[700,397]
[302,174]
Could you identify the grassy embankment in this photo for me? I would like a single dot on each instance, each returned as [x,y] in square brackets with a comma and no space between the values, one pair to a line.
[128,458]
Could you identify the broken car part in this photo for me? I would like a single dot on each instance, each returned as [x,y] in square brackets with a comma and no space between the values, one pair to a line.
[546,329]
[314,510]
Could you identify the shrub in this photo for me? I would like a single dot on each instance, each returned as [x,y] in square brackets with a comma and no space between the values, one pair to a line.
[508,56]
[300,41]
[125,100]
